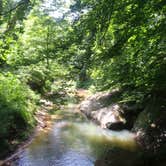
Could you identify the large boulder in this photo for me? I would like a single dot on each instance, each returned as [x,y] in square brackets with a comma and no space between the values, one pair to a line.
[109,117]
[95,102]
[102,109]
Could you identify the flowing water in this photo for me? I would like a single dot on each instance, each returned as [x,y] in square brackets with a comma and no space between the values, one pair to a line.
[74,141]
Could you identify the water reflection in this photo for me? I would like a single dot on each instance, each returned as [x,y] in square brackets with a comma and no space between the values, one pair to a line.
[72,141]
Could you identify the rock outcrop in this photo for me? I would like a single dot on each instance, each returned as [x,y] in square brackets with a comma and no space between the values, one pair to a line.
[146,121]
[102,109]
[150,127]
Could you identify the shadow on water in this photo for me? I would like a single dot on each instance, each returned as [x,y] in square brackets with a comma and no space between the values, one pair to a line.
[73,141]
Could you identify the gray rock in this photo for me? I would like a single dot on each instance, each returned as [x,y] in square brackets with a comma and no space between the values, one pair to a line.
[95,102]
[101,109]
[107,115]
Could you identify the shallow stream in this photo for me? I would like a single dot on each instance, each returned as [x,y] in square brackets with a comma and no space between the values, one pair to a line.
[74,141]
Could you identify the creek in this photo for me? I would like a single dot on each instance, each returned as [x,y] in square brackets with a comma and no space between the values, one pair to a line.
[72,140]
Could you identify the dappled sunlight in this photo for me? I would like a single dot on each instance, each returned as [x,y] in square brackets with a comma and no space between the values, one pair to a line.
[56,53]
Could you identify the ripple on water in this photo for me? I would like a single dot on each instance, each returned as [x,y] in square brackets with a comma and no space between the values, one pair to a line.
[74,158]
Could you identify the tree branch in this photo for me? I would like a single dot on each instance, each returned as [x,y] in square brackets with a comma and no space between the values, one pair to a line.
[14,8]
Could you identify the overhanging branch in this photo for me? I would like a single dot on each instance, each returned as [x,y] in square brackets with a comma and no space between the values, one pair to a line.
[14,8]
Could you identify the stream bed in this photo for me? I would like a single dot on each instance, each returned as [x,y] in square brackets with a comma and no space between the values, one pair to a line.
[74,141]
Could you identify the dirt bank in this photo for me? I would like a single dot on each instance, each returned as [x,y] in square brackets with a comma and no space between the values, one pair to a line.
[44,122]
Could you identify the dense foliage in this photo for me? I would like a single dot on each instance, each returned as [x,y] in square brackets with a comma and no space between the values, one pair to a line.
[100,45]
[17,106]
[127,43]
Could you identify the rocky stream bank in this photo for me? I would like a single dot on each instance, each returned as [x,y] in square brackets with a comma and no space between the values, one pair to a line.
[146,122]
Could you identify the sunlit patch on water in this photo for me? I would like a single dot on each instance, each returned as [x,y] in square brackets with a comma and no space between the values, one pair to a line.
[93,133]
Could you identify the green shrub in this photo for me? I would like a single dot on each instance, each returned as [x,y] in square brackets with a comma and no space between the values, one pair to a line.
[39,78]
[34,76]
[17,105]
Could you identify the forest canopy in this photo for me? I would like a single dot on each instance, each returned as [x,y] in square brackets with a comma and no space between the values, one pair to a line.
[101,45]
